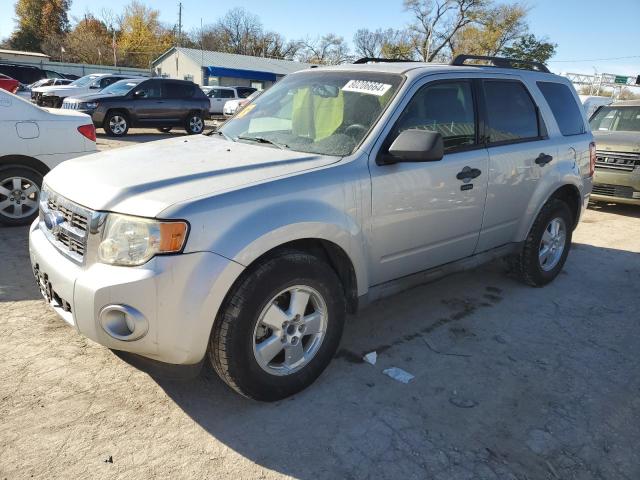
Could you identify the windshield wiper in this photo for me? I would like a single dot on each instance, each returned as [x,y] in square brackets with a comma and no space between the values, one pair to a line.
[281,146]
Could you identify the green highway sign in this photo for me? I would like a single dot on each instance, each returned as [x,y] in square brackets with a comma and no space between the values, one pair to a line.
[620,79]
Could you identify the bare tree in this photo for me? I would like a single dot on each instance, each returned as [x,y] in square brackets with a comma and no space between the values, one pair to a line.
[329,49]
[387,43]
[437,21]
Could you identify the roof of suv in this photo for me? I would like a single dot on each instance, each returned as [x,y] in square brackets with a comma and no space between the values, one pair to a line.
[625,103]
[421,67]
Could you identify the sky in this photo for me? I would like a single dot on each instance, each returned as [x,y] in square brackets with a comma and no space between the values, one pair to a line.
[587,31]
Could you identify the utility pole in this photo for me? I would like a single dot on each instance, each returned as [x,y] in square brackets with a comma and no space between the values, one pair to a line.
[179,24]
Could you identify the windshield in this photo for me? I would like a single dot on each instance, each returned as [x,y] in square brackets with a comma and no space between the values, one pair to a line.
[121,87]
[324,112]
[616,119]
[83,81]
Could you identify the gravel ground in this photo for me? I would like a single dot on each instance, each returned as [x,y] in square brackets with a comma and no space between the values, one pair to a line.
[511,382]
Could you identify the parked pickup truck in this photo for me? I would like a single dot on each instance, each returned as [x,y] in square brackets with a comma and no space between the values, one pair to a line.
[245,249]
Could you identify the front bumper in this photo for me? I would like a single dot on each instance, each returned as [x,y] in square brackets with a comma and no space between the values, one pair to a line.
[178,295]
[617,187]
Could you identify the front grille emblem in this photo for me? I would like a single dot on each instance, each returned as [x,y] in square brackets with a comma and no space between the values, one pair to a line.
[53,220]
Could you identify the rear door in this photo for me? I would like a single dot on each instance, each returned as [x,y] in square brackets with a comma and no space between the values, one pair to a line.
[422,214]
[519,148]
[220,96]
[176,96]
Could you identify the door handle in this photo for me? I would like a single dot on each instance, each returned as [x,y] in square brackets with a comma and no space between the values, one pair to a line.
[468,173]
[543,159]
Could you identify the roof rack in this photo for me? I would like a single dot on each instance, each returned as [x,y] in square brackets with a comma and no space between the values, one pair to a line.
[503,62]
[380,60]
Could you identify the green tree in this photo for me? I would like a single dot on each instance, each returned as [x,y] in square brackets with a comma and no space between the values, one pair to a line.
[89,42]
[528,47]
[38,20]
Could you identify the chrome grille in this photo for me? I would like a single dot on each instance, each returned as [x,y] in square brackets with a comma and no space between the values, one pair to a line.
[619,191]
[70,105]
[619,161]
[65,224]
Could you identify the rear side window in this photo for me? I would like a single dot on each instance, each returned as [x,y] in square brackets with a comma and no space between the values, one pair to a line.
[511,113]
[564,107]
[446,108]
[227,94]
[179,90]
[244,92]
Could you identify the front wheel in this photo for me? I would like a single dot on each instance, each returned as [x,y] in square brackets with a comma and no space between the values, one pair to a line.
[116,124]
[279,328]
[547,245]
[19,195]
[194,124]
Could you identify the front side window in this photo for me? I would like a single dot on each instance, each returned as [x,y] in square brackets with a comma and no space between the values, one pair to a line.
[151,89]
[511,113]
[564,107]
[227,94]
[83,81]
[446,108]
[323,112]
[616,119]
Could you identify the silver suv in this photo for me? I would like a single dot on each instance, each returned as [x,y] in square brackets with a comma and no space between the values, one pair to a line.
[245,249]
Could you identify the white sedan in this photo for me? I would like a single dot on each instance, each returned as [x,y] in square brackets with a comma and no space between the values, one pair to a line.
[33,141]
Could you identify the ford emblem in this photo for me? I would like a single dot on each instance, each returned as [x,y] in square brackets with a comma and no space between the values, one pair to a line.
[53,220]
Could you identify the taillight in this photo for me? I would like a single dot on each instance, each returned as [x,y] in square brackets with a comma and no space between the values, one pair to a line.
[89,131]
[592,158]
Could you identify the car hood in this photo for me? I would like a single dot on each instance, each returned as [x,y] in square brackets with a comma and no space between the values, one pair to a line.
[146,179]
[56,88]
[88,97]
[617,141]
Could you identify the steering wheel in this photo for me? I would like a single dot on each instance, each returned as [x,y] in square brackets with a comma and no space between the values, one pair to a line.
[356,130]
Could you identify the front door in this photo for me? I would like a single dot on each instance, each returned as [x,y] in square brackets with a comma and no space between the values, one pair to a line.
[423,215]
[149,104]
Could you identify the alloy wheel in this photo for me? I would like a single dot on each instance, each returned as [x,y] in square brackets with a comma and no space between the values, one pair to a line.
[18,197]
[118,124]
[196,124]
[552,244]
[290,330]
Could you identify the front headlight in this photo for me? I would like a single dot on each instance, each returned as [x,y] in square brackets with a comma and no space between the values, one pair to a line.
[131,241]
[89,105]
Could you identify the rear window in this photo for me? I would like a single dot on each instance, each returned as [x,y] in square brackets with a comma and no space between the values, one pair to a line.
[179,90]
[511,113]
[564,107]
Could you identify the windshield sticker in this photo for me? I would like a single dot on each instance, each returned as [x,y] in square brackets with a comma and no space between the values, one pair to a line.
[364,86]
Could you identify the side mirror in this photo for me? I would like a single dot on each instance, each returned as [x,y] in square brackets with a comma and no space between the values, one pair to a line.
[139,94]
[417,146]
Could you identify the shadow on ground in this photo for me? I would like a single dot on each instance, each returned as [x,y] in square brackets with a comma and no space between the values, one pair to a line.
[511,382]
[632,211]
[16,279]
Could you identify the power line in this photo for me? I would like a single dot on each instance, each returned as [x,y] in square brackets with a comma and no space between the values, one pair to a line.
[593,59]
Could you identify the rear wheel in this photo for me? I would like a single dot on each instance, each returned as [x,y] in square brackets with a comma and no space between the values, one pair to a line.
[19,195]
[279,328]
[194,124]
[547,245]
[116,124]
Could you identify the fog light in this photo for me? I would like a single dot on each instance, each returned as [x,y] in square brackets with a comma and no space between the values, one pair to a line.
[123,322]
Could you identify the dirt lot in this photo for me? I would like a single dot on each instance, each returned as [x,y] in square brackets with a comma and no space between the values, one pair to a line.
[511,383]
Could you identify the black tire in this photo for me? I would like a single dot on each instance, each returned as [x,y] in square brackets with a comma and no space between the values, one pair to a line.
[111,129]
[231,346]
[194,124]
[526,266]
[9,210]
[164,129]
